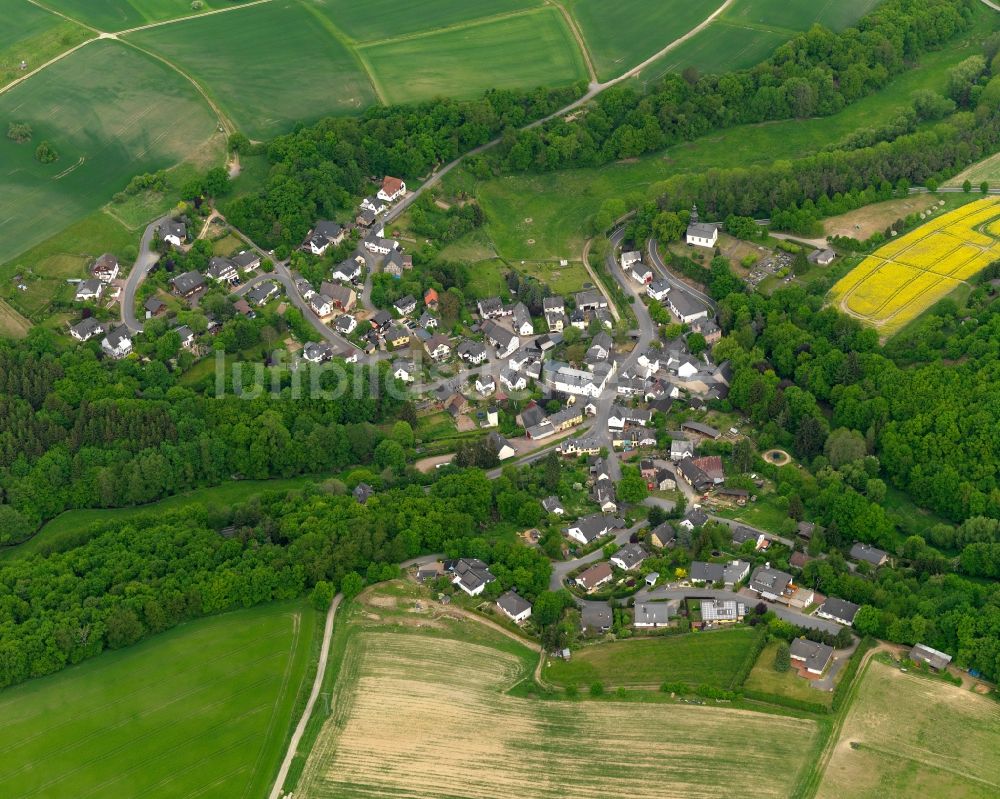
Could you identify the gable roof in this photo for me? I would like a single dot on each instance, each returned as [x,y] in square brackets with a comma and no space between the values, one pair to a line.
[595,574]
[513,604]
[840,609]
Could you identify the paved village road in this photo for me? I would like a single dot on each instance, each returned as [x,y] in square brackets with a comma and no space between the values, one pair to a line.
[144,261]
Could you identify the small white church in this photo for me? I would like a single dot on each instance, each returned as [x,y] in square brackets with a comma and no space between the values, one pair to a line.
[701,234]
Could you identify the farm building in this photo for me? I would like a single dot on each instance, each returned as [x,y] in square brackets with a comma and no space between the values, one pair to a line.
[922,653]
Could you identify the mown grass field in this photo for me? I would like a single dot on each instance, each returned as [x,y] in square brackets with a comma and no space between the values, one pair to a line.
[515,52]
[711,658]
[908,735]
[32,34]
[268,66]
[623,34]
[201,710]
[906,276]
[12,324]
[110,113]
[382,19]
[416,706]
[119,15]
[560,203]
[67,526]
[750,30]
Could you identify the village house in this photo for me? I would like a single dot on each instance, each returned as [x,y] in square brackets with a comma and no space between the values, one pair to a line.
[472,351]
[322,306]
[324,234]
[823,257]
[398,336]
[392,189]
[838,610]
[681,448]
[522,320]
[118,343]
[380,321]
[514,607]
[554,505]
[341,295]
[868,554]
[590,300]
[651,614]
[317,352]
[105,268]
[172,232]
[375,204]
[405,305]
[438,347]
[186,335]
[658,289]
[665,535]
[729,574]
[377,245]
[695,517]
[345,324]
[431,299]
[247,260]
[89,290]
[693,476]
[259,295]
[708,328]
[471,575]
[701,234]
[629,557]
[154,307]
[187,284]
[594,577]
[222,270]
[86,329]
[590,528]
[427,321]
[503,448]
[813,656]
[504,341]
[641,273]
[630,257]
[485,384]
[513,381]
[403,371]
[584,445]
[722,611]
[348,271]
[554,310]
[603,494]
[490,308]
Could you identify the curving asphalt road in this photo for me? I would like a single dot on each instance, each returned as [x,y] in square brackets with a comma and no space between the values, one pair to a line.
[676,284]
[144,261]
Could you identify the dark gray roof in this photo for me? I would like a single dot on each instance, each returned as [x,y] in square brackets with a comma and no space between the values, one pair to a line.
[770,581]
[631,555]
[246,259]
[840,609]
[868,553]
[87,328]
[815,655]
[683,303]
[932,657]
[513,604]
[473,573]
[188,282]
[153,304]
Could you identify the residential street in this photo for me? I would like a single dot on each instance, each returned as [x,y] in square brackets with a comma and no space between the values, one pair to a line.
[144,261]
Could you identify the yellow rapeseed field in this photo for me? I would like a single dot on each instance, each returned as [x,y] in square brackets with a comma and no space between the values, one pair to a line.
[908,275]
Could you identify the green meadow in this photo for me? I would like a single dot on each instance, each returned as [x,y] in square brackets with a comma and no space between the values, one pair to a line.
[119,15]
[33,35]
[202,710]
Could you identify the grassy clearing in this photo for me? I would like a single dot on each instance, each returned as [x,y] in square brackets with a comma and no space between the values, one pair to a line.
[379,19]
[118,15]
[906,735]
[35,36]
[988,169]
[863,222]
[561,279]
[560,203]
[711,658]
[750,30]
[67,526]
[45,267]
[266,82]
[517,52]
[201,710]
[625,33]
[420,699]
[110,112]
[764,678]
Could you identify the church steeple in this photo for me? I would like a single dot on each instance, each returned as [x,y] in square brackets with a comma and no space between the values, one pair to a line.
[694,214]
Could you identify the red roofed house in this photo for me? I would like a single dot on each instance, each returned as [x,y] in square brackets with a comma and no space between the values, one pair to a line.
[392,189]
[431,299]
[712,466]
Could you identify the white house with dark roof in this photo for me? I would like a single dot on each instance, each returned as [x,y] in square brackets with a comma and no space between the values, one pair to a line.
[513,381]
[514,607]
[590,528]
[814,656]
[658,289]
[173,232]
[472,576]
[838,610]
[629,557]
[405,305]
[594,577]
[105,268]
[504,341]
[869,554]
[345,324]
[247,260]
[85,330]
[324,234]
[89,290]
[651,614]
[222,270]
[118,343]
[187,283]
[347,271]
[729,574]
[490,308]
[503,448]
[771,583]
[472,351]
[522,320]
[685,307]
[553,504]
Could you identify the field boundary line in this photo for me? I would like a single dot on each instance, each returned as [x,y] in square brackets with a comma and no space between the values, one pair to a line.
[926,763]
[64,16]
[300,728]
[350,46]
[458,26]
[189,17]
[224,121]
[581,42]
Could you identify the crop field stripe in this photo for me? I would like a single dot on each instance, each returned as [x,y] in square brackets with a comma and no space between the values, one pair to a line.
[458,26]
[349,44]
[163,22]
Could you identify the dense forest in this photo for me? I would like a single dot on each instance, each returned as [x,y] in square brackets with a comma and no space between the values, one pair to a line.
[76,432]
[132,579]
